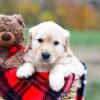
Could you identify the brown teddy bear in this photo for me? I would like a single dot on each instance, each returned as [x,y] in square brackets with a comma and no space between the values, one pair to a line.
[11,38]
[11,49]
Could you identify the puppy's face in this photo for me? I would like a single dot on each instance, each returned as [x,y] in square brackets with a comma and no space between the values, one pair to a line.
[47,42]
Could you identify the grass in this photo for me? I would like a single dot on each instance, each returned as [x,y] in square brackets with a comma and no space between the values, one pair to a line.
[90,38]
[93,91]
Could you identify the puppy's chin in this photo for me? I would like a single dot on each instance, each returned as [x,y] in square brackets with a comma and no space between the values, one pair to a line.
[46,62]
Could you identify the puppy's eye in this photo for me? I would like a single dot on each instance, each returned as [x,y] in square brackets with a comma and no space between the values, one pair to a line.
[56,42]
[40,40]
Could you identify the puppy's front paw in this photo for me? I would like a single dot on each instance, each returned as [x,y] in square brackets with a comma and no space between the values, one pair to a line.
[56,82]
[25,71]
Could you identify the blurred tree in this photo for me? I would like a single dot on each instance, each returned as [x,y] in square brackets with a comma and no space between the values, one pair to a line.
[47,16]
[30,12]
[80,14]
[8,6]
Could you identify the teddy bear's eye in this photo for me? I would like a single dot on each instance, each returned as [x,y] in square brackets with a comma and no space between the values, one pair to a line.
[56,43]
[40,40]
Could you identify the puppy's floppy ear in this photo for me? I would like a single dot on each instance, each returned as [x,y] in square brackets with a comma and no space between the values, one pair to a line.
[32,32]
[29,43]
[66,35]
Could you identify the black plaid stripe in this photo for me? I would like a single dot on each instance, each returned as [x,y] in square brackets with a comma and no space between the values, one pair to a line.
[17,85]
[1,70]
[41,83]
[63,91]
[45,85]
[24,90]
[8,92]
[41,80]
[21,87]
[67,87]
[41,77]
[49,94]
[42,86]
[3,87]
[82,91]
[11,95]
[35,80]
[52,95]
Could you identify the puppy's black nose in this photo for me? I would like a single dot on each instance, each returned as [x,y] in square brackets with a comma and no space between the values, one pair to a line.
[46,55]
[6,37]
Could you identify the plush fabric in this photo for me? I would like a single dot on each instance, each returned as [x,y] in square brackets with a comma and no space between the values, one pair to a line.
[13,23]
[11,57]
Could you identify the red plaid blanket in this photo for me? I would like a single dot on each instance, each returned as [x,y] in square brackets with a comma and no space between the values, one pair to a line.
[34,88]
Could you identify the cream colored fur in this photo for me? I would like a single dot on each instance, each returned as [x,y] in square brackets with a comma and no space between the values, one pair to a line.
[62,61]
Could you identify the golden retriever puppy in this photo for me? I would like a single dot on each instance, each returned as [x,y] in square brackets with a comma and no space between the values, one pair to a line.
[48,50]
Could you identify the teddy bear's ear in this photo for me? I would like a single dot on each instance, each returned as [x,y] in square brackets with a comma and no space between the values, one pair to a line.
[19,19]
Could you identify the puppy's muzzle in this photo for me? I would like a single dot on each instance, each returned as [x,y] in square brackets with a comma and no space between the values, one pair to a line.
[45,56]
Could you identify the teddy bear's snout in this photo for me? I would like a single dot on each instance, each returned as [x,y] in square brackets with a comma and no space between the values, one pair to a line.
[6,37]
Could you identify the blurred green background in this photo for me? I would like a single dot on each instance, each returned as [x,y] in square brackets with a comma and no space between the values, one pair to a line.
[81,17]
